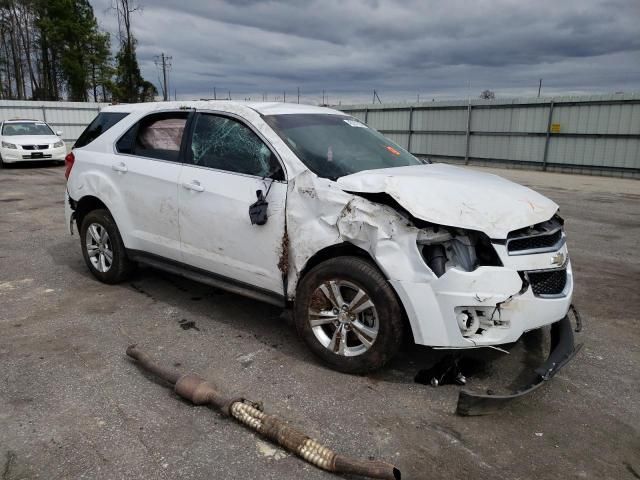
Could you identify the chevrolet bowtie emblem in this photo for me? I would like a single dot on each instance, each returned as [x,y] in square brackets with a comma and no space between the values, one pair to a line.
[558,259]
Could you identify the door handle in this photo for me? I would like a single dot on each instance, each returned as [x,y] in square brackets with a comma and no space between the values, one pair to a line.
[119,167]
[194,186]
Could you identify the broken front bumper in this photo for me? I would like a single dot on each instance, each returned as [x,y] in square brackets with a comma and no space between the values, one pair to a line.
[496,291]
[562,351]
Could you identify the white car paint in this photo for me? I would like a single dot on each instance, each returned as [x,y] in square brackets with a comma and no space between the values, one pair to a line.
[458,197]
[17,153]
[215,233]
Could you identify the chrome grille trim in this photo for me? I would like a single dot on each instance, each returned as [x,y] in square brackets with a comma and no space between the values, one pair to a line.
[545,249]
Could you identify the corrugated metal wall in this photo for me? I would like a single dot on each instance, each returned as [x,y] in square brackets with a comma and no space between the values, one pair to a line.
[69,117]
[595,134]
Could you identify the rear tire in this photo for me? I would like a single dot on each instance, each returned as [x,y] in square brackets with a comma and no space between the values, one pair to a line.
[103,249]
[348,315]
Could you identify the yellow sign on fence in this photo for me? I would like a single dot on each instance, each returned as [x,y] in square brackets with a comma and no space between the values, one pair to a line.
[555,128]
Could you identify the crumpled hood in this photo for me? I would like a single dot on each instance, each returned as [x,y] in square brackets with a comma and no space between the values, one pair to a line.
[456,197]
[32,139]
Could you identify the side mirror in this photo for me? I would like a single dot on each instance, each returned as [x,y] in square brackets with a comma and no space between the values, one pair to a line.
[59,133]
[258,210]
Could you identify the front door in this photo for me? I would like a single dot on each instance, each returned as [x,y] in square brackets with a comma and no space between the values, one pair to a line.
[225,165]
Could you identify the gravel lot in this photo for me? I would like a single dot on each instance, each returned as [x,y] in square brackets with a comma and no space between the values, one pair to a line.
[73,406]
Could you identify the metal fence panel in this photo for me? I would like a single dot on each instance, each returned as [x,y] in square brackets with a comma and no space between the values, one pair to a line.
[442,120]
[426,144]
[589,134]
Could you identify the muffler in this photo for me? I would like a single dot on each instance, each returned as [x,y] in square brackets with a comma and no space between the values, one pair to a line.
[200,392]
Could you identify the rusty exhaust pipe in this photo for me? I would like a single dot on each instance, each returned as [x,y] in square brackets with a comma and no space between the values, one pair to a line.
[200,392]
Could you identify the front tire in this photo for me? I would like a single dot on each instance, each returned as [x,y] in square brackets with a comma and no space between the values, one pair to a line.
[348,315]
[103,249]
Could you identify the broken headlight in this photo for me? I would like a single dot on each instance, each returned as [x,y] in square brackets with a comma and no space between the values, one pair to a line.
[444,248]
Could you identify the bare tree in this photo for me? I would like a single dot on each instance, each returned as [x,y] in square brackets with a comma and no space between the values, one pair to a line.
[488,95]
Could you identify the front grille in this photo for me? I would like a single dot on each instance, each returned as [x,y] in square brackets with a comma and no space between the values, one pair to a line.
[35,147]
[536,242]
[548,282]
[31,157]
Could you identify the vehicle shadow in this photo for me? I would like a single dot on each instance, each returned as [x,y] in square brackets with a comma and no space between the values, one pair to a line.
[273,327]
[31,165]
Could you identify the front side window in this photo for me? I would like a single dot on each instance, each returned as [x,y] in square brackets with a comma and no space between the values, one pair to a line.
[26,128]
[155,136]
[333,146]
[226,144]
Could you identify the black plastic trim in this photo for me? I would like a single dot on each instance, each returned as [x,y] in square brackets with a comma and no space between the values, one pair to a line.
[563,350]
[206,277]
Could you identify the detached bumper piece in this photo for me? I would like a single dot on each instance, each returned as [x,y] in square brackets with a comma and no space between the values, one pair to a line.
[562,351]
[201,392]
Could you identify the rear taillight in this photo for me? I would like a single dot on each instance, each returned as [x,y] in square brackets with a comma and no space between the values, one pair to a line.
[68,161]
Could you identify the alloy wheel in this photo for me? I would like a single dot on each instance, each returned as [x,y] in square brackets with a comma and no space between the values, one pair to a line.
[99,247]
[343,318]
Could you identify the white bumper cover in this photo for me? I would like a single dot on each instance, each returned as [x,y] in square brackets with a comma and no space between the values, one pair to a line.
[14,155]
[431,307]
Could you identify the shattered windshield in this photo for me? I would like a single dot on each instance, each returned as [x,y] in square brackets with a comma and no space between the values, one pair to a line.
[333,146]
[26,128]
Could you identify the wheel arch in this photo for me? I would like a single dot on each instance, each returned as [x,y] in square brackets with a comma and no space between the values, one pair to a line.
[344,249]
[87,204]
[347,249]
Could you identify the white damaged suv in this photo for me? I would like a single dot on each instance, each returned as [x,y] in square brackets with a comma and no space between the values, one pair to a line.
[307,207]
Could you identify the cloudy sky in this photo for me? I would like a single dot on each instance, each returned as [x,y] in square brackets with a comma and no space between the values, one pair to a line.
[402,48]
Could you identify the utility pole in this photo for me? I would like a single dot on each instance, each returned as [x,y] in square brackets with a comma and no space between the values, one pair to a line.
[284,96]
[214,93]
[164,62]
[229,94]
[298,94]
[539,87]
[323,96]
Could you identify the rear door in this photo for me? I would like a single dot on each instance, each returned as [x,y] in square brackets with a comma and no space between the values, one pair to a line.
[226,163]
[146,168]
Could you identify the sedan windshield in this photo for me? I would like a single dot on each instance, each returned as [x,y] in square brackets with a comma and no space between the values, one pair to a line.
[26,128]
[333,146]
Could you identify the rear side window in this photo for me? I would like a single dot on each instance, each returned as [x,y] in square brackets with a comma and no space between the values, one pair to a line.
[103,122]
[155,136]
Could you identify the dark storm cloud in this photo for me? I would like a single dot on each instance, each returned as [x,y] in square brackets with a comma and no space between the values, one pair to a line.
[401,48]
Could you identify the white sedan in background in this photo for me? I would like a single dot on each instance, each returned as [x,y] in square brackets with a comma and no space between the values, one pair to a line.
[29,140]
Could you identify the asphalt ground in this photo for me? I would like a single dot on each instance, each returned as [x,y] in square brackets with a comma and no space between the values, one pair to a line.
[72,405]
